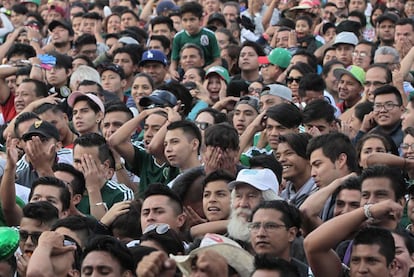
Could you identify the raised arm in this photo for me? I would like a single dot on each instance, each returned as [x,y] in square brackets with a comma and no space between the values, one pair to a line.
[12,212]
[319,244]
[314,204]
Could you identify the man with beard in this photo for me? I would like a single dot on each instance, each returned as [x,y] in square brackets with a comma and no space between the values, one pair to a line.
[154,63]
[386,29]
[251,187]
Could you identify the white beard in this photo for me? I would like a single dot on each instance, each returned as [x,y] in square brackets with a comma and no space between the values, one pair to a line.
[237,227]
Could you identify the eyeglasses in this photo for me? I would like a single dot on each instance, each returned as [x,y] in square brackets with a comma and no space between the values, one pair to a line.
[160,229]
[34,236]
[290,80]
[374,83]
[257,90]
[405,146]
[267,226]
[388,106]
[360,54]
[265,65]
[202,125]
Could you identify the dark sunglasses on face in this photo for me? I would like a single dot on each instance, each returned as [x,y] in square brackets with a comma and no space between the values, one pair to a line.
[34,236]
[290,80]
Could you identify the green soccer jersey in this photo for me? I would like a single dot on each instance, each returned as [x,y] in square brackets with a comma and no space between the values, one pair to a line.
[206,39]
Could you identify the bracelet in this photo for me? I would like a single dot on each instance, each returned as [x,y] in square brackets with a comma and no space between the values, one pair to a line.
[367,212]
[102,204]
[34,39]
[37,65]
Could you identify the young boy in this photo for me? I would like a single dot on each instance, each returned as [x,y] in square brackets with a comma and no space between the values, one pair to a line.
[193,32]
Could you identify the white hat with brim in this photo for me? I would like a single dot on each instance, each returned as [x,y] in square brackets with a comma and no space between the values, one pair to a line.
[261,179]
[236,257]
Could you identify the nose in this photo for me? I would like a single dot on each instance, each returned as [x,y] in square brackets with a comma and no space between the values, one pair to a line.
[244,202]
[313,172]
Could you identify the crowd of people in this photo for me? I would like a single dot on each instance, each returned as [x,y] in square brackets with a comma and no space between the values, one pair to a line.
[207,138]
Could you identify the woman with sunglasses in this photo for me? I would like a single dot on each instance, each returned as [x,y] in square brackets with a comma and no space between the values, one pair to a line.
[293,78]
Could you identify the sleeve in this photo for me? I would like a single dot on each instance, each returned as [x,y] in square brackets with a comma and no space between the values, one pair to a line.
[215,50]
[175,55]
[139,156]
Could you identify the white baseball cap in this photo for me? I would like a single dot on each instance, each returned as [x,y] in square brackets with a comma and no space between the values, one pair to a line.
[261,179]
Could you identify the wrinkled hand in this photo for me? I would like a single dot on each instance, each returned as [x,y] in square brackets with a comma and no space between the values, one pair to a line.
[292,40]
[156,264]
[39,156]
[11,150]
[388,209]
[22,262]
[397,79]
[193,218]
[210,264]
[54,241]
[93,173]
[212,161]
[314,131]
[116,210]
[368,122]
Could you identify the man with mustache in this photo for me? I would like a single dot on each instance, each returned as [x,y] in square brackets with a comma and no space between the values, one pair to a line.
[251,187]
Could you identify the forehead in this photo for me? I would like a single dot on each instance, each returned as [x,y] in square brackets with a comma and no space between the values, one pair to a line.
[205,117]
[385,98]
[160,26]
[116,116]
[79,150]
[178,132]
[155,201]
[81,105]
[27,86]
[46,190]
[244,107]
[376,183]
[376,73]
[319,155]
[267,214]
[349,194]
[384,58]
[367,250]
[109,73]
[122,56]
[348,78]
[101,258]
[190,51]
[216,185]
[408,139]
[32,225]
[363,47]
[245,188]
[155,119]
[248,49]
[283,146]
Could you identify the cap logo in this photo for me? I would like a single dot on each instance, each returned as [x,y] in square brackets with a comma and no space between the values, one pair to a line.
[150,55]
[37,124]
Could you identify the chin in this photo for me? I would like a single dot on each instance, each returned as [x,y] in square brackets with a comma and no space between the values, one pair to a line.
[237,227]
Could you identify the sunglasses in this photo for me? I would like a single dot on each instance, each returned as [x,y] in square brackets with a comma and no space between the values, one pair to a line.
[160,229]
[24,235]
[290,80]
[202,125]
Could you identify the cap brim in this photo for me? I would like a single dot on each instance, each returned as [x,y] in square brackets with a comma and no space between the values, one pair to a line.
[149,100]
[263,60]
[28,136]
[339,72]
[72,97]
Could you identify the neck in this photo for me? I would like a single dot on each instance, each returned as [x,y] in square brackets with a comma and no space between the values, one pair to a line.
[130,81]
[69,139]
[389,129]
[352,102]
[193,162]
[250,75]
[63,48]
[300,180]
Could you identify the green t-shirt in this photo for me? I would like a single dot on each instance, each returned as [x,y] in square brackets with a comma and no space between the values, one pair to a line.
[206,39]
[146,167]
[19,202]
[111,192]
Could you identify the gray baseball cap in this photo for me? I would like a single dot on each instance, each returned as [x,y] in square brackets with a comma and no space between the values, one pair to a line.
[277,90]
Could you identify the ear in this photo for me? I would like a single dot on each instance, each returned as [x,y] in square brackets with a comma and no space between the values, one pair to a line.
[292,231]
[100,116]
[402,201]
[341,160]
[74,273]
[195,143]
[393,268]
[181,220]
[123,83]
[127,273]
[59,145]
[76,199]
[68,72]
